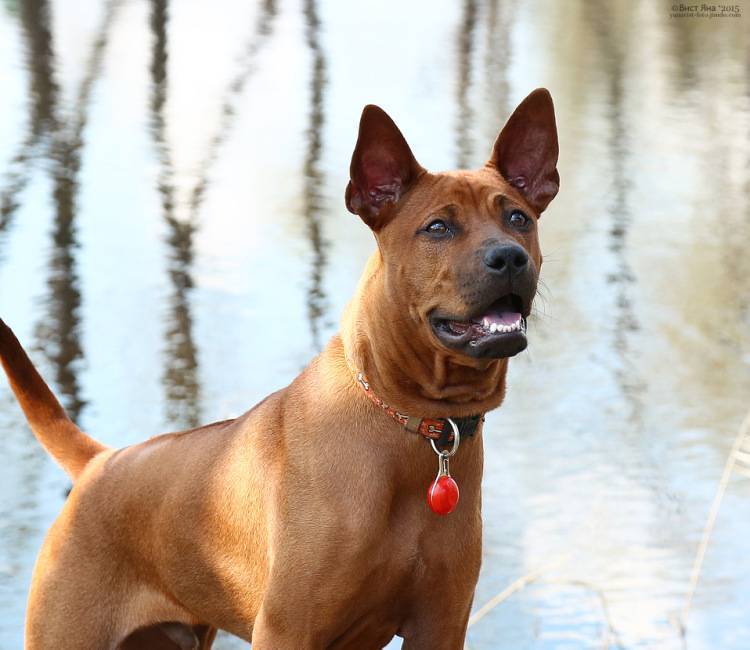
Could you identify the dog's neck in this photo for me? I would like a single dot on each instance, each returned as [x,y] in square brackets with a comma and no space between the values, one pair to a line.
[405,367]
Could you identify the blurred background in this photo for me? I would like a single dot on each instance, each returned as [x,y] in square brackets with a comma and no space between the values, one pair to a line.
[174,245]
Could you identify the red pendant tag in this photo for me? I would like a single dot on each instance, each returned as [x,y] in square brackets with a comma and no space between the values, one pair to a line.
[442,495]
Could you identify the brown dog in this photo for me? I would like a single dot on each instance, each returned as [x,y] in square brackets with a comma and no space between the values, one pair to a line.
[303,523]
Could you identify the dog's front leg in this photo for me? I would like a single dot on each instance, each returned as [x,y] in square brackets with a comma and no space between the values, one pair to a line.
[273,633]
[436,628]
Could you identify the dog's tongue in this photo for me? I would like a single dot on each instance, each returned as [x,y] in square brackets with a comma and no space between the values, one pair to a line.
[501,318]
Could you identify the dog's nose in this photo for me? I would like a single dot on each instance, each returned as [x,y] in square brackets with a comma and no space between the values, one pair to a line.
[506,257]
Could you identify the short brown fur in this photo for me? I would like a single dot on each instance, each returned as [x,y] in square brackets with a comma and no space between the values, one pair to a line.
[303,523]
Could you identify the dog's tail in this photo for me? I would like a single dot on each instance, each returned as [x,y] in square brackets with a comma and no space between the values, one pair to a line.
[65,442]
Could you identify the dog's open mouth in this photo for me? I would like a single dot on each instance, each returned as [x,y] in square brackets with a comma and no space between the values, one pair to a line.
[498,331]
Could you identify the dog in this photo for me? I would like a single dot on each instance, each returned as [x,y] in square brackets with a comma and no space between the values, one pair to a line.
[317,519]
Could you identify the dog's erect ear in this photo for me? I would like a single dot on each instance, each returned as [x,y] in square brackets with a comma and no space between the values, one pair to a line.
[525,152]
[383,167]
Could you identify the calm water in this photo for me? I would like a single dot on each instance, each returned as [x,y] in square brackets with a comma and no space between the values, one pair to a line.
[174,245]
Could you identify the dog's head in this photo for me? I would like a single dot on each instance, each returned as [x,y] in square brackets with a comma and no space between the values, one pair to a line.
[460,250]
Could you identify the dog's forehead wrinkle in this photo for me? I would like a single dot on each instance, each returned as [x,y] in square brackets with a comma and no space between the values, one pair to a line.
[465,189]
[475,195]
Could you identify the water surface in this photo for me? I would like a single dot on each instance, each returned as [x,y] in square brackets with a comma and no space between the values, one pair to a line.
[174,246]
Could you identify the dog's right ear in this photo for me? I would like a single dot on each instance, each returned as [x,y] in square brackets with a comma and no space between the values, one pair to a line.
[383,167]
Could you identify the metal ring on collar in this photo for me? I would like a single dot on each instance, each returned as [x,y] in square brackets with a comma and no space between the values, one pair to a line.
[456,441]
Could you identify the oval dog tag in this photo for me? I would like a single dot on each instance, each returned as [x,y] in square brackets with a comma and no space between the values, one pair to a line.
[442,495]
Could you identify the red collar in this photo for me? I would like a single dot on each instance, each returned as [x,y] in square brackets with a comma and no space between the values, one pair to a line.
[435,429]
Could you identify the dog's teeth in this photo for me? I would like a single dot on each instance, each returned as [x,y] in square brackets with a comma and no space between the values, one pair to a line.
[493,328]
[485,323]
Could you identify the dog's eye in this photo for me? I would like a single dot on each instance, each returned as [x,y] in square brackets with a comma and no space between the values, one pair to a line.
[438,227]
[518,219]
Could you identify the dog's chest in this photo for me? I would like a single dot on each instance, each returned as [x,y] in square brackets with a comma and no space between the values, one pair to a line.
[363,601]
[358,590]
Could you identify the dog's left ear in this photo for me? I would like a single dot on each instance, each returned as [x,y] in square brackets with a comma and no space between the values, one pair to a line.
[383,167]
[526,150]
